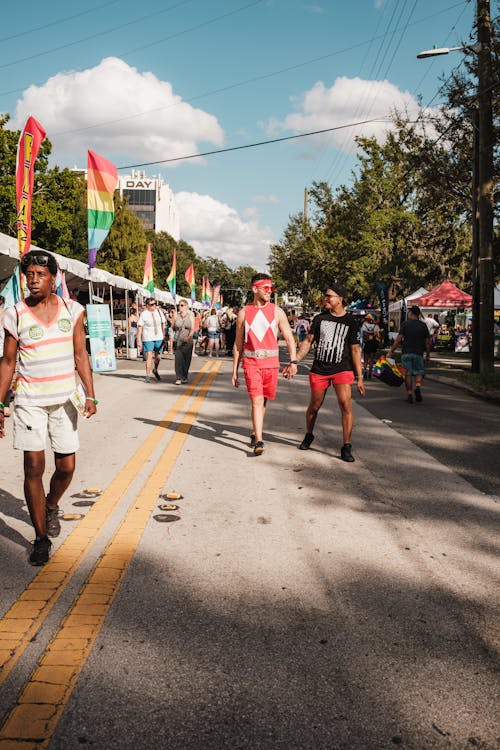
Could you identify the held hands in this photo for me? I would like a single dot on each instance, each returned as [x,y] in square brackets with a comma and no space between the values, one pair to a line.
[289,371]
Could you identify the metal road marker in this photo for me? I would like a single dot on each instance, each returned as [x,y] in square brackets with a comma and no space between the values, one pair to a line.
[23,620]
[33,720]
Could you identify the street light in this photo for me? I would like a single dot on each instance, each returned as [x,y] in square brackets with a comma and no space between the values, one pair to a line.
[484,181]
[435,51]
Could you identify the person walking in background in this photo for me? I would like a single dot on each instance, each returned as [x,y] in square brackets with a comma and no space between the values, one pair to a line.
[337,362]
[231,316]
[302,328]
[415,339]
[369,335]
[133,319]
[48,335]
[256,348]
[213,333]
[183,342]
[197,327]
[150,335]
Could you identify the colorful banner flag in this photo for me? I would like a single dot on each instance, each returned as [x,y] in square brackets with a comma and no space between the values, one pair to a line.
[147,281]
[61,288]
[172,280]
[12,289]
[102,179]
[208,293]
[216,295]
[189,276]
[27,151]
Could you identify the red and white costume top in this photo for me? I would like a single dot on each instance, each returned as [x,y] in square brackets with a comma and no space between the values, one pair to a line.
[261,337]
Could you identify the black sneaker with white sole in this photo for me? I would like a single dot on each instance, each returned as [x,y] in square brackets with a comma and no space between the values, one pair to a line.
[41,549]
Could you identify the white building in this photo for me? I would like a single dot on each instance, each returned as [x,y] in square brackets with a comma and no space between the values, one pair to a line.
[152,201]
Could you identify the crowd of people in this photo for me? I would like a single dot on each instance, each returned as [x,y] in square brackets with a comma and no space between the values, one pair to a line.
[42,345]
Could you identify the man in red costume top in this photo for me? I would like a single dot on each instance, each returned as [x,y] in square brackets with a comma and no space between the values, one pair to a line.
[256,348]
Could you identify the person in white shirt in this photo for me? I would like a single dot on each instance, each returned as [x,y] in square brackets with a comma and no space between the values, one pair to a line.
[150,335]
[213,332]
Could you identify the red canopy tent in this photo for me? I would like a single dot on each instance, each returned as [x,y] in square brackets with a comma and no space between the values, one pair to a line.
[446,295]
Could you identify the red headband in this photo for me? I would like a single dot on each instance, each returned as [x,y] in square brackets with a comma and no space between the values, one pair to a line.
[264,282]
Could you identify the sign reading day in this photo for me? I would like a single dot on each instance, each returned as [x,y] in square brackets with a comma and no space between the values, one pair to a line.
[102,342]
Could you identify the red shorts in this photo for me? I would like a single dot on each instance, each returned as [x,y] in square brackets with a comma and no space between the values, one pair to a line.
[321,382]
[261,381]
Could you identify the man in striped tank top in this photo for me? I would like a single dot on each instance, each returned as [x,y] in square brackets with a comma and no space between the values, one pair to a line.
[256,348]
[49,335]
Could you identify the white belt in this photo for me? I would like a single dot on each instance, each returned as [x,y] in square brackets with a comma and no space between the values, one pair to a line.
[261,353]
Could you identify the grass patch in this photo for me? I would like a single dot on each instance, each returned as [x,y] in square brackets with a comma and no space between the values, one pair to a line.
[479,382]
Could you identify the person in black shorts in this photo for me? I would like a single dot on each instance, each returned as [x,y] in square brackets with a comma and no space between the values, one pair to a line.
[337,361]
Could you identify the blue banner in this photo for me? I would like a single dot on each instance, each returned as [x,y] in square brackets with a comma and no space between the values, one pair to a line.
[102,341]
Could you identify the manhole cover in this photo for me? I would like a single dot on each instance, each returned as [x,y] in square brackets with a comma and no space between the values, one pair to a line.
[166,518]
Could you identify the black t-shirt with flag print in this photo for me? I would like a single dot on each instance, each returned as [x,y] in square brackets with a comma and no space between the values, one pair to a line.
[334,336]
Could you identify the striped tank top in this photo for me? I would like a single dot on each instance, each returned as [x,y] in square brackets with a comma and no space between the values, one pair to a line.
[46,354]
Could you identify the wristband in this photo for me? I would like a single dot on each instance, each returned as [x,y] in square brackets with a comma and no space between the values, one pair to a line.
[2,405]
[293,362]
[89,398]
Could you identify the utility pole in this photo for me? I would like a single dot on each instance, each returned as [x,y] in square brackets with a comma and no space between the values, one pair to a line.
[475,247]
[485,190]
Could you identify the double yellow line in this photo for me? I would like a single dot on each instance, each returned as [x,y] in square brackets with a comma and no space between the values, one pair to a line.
[32,721]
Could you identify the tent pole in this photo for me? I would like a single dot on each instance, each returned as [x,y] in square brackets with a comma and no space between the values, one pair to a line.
[126,323]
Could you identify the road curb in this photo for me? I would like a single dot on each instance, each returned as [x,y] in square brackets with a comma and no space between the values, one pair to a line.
[491,396]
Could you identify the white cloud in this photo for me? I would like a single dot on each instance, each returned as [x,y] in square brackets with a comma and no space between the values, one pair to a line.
[348,100]
[217,230]
[69,103]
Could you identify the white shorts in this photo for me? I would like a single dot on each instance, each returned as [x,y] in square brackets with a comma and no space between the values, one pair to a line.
[33,423]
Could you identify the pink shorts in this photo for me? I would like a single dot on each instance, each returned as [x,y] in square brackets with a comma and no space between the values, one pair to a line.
[321,382]
[261,381]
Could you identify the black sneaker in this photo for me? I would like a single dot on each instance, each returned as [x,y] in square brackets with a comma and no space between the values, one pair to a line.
[156,373]
[252,440]
[418,395]
[306,443]
[345,453]
[258,448]
[52,521]
[409,398]
[40,554]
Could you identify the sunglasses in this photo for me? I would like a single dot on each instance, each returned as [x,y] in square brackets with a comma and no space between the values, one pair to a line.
[35,259]
[266,288]
[329,296]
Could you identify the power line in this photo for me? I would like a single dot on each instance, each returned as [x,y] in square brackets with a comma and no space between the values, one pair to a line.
[249,145]
[96,34]
[59,21]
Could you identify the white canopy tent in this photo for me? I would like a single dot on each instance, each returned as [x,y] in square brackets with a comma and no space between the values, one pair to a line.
[76,272]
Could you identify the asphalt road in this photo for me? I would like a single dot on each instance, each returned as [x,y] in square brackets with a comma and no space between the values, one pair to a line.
[458,429]
[298,602]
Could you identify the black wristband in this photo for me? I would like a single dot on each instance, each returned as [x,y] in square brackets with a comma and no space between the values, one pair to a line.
[293,362]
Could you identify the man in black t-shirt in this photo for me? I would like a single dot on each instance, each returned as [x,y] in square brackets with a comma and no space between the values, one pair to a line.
[416,339]
[337,362]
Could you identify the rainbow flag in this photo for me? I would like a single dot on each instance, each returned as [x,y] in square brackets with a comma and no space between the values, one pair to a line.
[171,280]
[208,293]
[147,281]
[189,276]
[27,151]
[102,179]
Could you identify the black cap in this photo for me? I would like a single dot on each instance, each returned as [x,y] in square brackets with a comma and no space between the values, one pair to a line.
[415,309]
[338,289]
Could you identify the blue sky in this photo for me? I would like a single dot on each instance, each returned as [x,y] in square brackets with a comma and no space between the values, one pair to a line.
[161,79]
